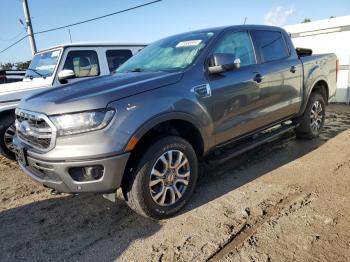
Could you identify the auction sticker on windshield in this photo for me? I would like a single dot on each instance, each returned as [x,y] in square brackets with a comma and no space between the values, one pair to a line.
[189,43]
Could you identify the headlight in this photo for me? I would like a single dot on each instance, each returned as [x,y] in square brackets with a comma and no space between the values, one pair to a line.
[76,123]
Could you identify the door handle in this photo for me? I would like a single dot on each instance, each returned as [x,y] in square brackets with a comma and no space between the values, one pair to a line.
[293,69]
[258,78]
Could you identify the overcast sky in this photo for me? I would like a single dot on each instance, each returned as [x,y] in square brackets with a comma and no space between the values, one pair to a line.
[149,23]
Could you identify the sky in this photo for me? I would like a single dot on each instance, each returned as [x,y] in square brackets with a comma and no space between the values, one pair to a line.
[146,24]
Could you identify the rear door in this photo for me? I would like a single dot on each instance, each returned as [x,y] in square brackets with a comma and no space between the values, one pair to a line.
[279,75]
[117,57]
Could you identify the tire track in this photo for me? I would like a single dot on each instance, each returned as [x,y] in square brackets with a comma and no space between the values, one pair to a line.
[271,214]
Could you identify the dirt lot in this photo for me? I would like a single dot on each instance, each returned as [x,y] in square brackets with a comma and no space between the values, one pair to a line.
[285,201]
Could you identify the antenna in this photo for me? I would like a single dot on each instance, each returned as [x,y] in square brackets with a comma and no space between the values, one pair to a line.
[70,36]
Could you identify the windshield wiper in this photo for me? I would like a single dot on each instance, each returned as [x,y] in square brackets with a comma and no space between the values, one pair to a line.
[35,71]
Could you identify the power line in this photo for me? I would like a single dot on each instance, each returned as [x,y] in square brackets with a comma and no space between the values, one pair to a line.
[12,38]
[97,18]
[15,43]
[81,22]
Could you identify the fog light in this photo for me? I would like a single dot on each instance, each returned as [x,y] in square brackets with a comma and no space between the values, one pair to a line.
[88,173]
[96,172]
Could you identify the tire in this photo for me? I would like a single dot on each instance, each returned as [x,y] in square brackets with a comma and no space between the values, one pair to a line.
[312,121]
[143,190]
[7,131]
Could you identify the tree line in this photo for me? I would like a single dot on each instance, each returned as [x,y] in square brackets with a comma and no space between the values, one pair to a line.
[18,65]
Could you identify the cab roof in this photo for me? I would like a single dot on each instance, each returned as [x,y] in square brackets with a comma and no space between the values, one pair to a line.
[93,44]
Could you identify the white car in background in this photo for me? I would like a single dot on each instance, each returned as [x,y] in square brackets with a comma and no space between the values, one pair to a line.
[55,67]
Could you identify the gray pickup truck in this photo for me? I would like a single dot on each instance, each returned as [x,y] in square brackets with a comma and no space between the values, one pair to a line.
[177,102]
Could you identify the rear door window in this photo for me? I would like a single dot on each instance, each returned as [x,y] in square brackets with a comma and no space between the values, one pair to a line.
[271,45]
[84,63]
[116,58]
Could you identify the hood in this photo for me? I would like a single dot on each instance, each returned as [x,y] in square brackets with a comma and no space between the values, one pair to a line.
[17,90]
[96,93]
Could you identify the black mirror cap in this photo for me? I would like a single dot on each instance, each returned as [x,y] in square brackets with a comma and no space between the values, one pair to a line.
[302,52]
[219,63]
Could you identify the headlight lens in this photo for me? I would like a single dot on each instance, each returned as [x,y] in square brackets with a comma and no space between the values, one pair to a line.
[77,123]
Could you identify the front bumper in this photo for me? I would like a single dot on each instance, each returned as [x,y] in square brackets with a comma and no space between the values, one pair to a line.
[55,174]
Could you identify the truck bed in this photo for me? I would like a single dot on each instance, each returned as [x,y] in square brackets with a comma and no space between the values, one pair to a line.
[317,68]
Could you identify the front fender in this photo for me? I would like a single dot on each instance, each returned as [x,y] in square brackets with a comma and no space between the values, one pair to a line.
[7,106]
[138,114]
[164,117]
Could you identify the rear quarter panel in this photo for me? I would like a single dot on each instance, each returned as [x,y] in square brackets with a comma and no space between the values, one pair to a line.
[319,68]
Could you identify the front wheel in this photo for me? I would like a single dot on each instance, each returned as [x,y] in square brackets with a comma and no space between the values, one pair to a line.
[7,132]
[164,179]
[313,118]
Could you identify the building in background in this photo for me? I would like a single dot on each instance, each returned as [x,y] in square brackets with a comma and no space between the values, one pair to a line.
[328,36]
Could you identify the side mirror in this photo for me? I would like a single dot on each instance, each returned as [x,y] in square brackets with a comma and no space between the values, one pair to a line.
[302,52]
[64,75]
[219,63]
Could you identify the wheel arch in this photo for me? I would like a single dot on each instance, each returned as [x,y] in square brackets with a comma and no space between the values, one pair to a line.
[319,85]
[177,123]
[7,112]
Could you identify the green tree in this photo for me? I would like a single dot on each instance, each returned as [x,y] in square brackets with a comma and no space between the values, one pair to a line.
[19,65]
[23,65]
[6,66]
[307,20]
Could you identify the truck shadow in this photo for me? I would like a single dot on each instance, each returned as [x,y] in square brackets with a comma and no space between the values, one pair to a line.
[217,180]
[89,228]
[80,228]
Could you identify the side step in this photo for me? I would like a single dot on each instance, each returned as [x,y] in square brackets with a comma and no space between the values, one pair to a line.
[240,147]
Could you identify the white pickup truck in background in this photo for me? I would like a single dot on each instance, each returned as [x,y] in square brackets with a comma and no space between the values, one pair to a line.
[54,67]
[12,75]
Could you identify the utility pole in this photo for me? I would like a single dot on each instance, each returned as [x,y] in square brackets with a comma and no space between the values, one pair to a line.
[29,26]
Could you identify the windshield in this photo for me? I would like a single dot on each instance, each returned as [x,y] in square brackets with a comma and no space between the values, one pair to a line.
[170,54]
[43,64]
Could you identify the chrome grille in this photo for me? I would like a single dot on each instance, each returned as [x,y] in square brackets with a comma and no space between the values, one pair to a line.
[35,129]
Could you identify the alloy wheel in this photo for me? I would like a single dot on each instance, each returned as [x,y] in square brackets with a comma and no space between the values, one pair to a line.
[8,137]
[316,116]
[169,178]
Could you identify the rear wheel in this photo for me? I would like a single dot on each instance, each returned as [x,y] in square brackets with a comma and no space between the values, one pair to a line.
[164,179]
[7,132]
[312,121]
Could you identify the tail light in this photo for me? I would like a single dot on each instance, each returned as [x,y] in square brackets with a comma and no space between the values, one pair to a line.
[337,68]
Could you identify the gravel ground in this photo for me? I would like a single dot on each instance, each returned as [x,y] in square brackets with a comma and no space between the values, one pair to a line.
[285,201]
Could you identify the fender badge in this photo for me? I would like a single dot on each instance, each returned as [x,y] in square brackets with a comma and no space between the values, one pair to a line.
[130,107]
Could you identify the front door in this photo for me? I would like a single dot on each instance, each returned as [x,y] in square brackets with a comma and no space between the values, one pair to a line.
[83,62]
[234,94]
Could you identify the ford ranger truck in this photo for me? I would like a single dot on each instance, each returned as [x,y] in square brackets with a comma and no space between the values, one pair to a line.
[145,128]
[56,67]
